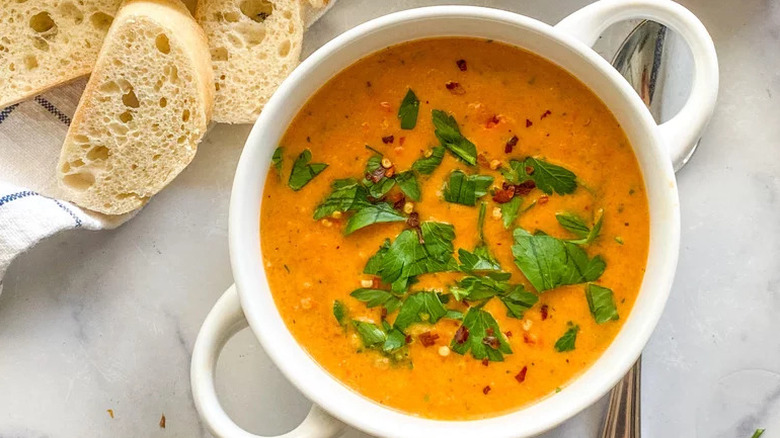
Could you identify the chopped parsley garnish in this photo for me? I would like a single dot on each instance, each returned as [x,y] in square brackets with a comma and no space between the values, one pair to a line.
[480,259]
[510,210]
[341,313]
[550,178]
[466,189]
[548,262]
[601,302]
[372,214]
[407,182]
[369,333]
[427,165]
[303,172]
[374,179]
[480,334]
[276,159]
[448,133]
[575,225]
[566,342]
[407,112]
[517,301]
[409,256]
[420,307]
[377,297]
[346,195]
[385,339]
[514,296]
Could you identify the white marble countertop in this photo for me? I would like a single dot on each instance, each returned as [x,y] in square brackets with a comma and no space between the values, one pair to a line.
[91,321]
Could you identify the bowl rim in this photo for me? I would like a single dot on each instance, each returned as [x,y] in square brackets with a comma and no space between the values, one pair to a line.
[345,403]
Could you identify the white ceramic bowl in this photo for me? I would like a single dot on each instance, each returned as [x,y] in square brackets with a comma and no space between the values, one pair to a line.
[567,45]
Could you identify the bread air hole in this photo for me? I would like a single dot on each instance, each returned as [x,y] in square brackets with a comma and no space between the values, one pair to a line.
[284,48]
[127,116]
[163,44]
[71,11]
[42,23]
[41,44]
[257,10]
[163,102]
[130,99]
[97,153]
[219,54]
[101,21]
[185,115]
[79,181]
[230,17]
[30,62]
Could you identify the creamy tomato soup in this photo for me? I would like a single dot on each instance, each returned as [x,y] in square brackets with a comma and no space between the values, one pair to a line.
[454,227]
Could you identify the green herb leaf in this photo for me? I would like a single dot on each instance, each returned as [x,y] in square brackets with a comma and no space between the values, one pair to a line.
[303,172]
[407,112]
[476,288]
[550,178]
[515,173]
[407,182]
[758,433]
[454,314]
[420,307]
[377,297]
[480,259]
[396,339]
[576,225]
[601,302]
[478,322]
[371,335]
[341,313]
[566,342]
[517,301]
[449,135]
[372,214]
[383,185]
[548,262]
[407,257]
[276,159]
[346,195]
[426,165]
[374,263]
[466,189]
[510,210]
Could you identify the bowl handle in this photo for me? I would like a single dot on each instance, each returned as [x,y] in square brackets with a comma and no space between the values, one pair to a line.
[225,320]
[681,132]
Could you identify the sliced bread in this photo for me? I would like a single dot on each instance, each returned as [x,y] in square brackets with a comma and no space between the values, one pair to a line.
[144,110]
[254,45]
[44,43]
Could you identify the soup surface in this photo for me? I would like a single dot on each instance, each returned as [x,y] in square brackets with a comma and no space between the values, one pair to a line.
[454,227]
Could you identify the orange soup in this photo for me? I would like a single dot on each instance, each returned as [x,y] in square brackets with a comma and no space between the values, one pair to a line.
[454,227]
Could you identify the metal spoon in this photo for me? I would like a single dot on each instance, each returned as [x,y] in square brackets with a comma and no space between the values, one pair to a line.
[641,59]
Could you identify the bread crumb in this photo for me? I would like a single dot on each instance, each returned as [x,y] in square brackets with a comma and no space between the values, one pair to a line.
[110,413]
[162,422]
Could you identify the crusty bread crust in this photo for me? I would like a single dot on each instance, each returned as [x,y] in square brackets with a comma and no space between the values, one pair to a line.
[144,110]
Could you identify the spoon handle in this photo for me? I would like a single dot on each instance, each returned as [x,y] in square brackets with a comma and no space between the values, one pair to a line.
[623,414]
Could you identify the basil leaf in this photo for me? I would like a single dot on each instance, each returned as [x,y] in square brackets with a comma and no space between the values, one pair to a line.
[449,135]
[567,341]
[406,257]
[276,159]
[466,189]
[476,323]
[548,262]
[340,312]
[372,214]
[407,182]
[601,302]
[517,301]
[510,211]
[407,112]
[550,178]
[303,172]
[427,165]
[573,224]
[371,335]
[420,307]
[377,297]
[346,195]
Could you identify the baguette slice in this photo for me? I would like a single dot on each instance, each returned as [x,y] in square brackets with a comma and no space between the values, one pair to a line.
[44,43]
[254,45]
[143,112]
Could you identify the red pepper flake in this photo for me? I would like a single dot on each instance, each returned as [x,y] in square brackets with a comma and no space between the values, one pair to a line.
[482,160]
[384,312]
[492,122]
[544,311]
[508,334]
[461,335]
[529,170]
[491,341]
[413,220]
[489,331]
[525,187]
[520,377]
[455,88]
[376,175]
[399,200]
[486,389]
[528,339]
[502,196]
[543,199]
[401,140]
[485,362]
[528,123]
[408,339]
[387,140]
[462,64]
[376,282]
[428,339]
[510,144]
[546,113]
